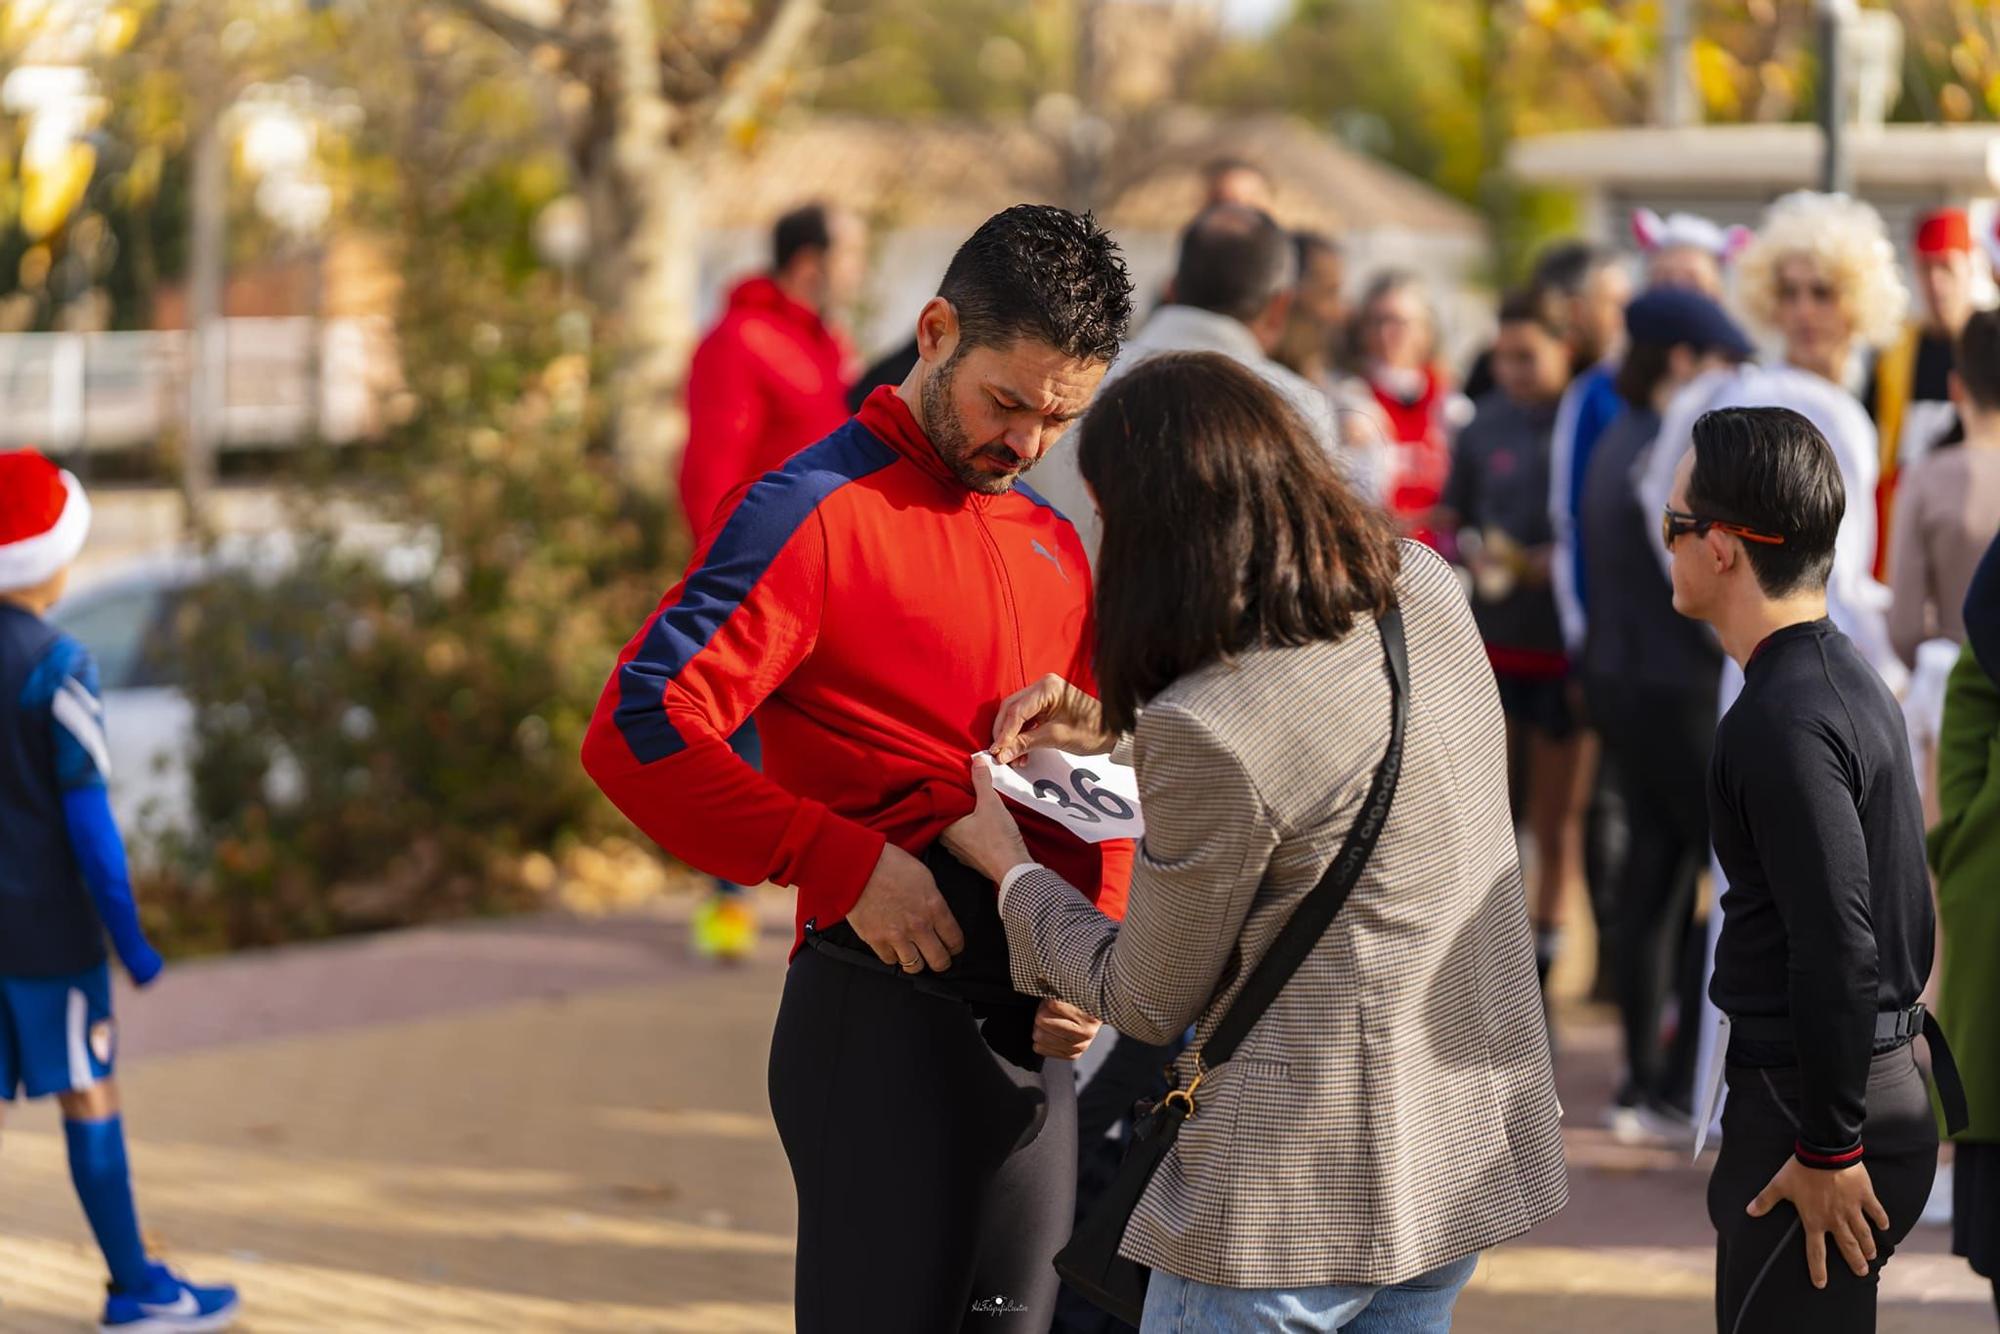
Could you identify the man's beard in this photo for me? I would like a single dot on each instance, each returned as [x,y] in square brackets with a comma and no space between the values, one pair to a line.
[949,436]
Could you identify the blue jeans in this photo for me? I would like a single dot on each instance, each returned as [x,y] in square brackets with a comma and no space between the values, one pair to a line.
[1422,1305]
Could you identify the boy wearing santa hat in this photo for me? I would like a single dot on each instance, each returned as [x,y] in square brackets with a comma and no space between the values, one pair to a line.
[64,888]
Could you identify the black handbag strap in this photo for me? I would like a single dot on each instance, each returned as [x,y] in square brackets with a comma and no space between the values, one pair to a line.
[1312,917]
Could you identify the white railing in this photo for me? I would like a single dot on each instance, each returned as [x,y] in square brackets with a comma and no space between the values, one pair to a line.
[100,391]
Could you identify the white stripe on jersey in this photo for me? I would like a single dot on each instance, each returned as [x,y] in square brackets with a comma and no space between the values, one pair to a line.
[81,723]
[83,696]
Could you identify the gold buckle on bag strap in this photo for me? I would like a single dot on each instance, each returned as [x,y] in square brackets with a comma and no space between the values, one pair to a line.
[1186,1095]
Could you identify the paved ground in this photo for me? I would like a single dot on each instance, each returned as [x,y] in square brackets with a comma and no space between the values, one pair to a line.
[551,1125]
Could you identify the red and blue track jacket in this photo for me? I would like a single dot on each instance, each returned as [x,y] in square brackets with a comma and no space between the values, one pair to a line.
[871,612]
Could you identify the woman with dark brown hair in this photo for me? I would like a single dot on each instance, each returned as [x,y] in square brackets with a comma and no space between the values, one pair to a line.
[1391,1113]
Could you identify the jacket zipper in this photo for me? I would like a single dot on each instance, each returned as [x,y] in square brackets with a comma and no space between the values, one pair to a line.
[1007,592]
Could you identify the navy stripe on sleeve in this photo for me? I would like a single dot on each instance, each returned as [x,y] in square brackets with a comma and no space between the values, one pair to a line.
[755,532]
[1024,489]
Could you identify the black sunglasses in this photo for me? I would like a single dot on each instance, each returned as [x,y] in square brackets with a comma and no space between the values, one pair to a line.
[1823,293]
[1678,523]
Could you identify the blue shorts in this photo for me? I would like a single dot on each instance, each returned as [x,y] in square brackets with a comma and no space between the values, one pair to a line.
[56,1034]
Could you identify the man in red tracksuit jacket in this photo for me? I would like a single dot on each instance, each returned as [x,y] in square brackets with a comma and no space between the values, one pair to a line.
[771,377]
[872,600]
[767,381]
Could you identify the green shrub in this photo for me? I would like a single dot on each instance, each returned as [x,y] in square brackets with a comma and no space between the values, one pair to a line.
[385,729]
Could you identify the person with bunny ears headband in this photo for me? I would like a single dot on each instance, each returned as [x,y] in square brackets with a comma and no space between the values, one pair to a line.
[1687,250]
[1680,250]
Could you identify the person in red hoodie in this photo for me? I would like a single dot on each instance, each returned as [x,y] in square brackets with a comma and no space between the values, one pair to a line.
[771,377]
[871,601]
[767,381]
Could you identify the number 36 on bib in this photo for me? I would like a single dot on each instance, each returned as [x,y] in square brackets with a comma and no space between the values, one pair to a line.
[1085,794]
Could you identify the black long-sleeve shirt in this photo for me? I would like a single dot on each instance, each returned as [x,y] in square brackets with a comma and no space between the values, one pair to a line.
[1817,823]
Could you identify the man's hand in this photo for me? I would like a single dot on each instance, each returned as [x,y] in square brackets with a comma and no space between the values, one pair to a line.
[903,918]
[1841,1202]
[1051,714]
[1062,1031]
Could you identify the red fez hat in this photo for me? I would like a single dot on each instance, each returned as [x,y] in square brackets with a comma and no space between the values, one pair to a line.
[1943,232]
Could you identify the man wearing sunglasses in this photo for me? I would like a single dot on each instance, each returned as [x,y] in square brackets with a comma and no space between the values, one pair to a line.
[1679,523]
[1826,937]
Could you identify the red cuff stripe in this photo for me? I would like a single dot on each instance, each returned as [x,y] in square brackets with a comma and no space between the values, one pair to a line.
[1814,1158]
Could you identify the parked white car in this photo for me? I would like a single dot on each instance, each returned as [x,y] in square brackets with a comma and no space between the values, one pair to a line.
[125,618]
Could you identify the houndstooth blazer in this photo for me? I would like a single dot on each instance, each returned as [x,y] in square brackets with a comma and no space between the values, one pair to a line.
[1394,1109]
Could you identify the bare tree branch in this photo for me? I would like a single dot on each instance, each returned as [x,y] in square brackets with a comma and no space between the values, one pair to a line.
[682,74]
[1142,152]
[523,34]
[767,61]
[643,119]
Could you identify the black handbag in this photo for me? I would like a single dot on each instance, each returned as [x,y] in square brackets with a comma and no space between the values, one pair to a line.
[1090,1263]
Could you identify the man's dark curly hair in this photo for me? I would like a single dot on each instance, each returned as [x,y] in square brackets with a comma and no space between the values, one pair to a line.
[1042,272]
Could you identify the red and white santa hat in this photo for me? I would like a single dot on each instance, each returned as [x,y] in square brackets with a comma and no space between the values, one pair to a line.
[44,519]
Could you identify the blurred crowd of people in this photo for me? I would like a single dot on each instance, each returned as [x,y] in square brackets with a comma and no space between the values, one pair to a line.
[1541,472]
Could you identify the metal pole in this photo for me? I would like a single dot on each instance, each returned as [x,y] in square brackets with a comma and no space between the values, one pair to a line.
[1495,187]
[315,367]
[1085,148]
[1836,163]
[205,330]
[1673,102]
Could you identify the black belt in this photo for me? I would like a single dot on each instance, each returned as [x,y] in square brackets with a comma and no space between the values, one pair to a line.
[968,990]
[1893,1029]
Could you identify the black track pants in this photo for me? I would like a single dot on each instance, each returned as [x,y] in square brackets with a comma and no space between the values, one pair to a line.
[1659,743]
[1762,1285]
[936,1179]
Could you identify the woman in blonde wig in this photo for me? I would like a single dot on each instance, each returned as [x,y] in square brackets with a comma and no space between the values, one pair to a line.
[1822,275]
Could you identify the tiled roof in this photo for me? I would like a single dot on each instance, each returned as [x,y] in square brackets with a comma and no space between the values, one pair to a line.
[956,173]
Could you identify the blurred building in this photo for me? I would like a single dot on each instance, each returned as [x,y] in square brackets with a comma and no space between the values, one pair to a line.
[1730,172]
[927,185]
[308,353]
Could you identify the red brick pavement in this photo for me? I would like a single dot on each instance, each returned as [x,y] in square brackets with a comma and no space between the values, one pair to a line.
[550,1124]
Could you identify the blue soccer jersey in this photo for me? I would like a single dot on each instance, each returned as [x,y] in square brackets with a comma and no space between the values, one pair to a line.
[64,859]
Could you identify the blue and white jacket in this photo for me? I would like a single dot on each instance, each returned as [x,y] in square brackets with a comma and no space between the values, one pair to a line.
[63,876]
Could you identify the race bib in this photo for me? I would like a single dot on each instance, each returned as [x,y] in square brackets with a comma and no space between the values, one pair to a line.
[1085,794]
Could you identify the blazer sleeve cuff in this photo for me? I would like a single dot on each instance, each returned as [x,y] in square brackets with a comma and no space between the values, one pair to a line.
[1029,893]
[1007,881]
